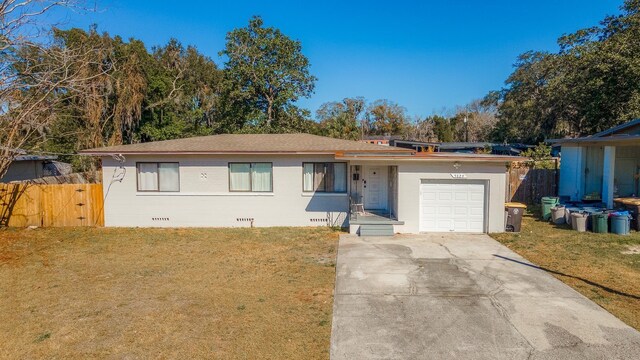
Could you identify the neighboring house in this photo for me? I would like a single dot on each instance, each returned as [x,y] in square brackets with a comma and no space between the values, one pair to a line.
[28,167]
[601,166]
[462,147]
[300,180]
[379,139]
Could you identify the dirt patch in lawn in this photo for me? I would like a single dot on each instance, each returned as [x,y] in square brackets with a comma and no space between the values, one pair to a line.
[603,267]
[166,293]
[632,250]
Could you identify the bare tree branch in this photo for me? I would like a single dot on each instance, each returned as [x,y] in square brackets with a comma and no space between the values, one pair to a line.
[28,84]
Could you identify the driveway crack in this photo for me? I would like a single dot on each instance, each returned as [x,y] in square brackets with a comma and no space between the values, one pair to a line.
[447,249]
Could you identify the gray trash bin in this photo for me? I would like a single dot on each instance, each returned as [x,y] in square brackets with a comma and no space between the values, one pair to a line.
[579,221]
[557,215]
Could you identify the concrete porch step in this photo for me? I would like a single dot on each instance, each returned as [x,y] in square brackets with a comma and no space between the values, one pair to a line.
[376,230]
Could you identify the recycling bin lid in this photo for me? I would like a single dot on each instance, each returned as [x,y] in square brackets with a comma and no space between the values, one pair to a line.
[515,205]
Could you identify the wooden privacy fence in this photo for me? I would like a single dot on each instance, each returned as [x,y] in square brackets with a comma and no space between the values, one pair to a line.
[526,184]
[51,205]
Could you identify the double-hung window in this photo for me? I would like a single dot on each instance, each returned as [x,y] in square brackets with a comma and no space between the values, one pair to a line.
[253,177]
[158,176]
[324,177]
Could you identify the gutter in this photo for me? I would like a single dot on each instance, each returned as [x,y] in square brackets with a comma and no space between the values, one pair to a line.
[435,158]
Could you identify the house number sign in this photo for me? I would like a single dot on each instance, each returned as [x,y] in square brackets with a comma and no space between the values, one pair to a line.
[458,176]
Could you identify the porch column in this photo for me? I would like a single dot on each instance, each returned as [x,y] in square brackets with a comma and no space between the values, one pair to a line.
[608,171]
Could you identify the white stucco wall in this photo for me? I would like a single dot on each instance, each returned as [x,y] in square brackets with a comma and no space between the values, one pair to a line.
[208,202]
[410,176]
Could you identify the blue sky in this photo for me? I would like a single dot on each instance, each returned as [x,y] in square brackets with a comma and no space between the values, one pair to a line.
[425,55]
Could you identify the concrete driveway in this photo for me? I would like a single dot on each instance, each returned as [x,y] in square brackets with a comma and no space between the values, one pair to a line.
[462,297]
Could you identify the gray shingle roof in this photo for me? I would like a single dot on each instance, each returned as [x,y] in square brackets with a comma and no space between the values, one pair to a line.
[248,143]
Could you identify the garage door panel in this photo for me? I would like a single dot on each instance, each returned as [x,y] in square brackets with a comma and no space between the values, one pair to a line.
[461,225]
[461,211]
[461,196]
[428,196]
[452,206]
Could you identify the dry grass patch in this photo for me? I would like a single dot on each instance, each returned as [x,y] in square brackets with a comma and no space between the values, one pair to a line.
[599,266]
[166,293]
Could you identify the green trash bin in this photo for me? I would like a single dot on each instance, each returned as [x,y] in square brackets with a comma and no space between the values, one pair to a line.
[547,203]
[599,223]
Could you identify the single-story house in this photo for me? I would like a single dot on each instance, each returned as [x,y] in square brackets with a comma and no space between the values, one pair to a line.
[300,180]
[601,166]
[25,166]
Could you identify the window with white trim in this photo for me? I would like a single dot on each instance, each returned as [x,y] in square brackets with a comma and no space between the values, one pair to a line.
[158,176]
[251,177]
[324,177]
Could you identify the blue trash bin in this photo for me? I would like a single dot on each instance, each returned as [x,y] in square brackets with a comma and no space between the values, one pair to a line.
[620,222]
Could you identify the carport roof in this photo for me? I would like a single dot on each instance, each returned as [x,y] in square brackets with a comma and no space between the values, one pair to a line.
[623,134]
[622,139]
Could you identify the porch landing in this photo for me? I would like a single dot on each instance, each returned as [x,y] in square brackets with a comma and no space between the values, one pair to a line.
[373,218]
[372,224]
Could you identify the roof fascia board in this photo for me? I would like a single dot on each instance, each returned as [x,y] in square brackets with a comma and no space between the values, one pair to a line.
[594,141]
[616,128]
[433,158]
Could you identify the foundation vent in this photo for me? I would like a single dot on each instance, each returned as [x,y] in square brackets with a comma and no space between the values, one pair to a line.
[160,218]
[244,219]
[319,220]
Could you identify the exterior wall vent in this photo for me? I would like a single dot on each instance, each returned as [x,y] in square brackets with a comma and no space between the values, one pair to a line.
[317,220]
[244,219]
[160,218]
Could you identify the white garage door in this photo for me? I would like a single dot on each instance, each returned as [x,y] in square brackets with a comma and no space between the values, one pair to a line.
[452,206]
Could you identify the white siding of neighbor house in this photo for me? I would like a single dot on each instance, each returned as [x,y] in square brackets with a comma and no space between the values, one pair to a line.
[23,170]
[205,200]
[572,172]
[410,176]
[582,169]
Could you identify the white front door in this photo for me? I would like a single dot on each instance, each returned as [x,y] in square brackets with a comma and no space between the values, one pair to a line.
[375,187]
[452,206]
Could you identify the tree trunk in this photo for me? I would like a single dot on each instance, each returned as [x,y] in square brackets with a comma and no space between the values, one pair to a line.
[269,113]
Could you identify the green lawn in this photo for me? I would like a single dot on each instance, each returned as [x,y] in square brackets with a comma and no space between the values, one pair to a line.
[603,267]
[166,293]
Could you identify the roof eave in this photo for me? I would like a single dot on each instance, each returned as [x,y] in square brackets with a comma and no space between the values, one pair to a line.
[436,158]
[594,141]
[617,128]
[315,152]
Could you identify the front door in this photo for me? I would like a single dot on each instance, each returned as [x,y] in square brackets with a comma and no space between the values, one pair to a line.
[375,187]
